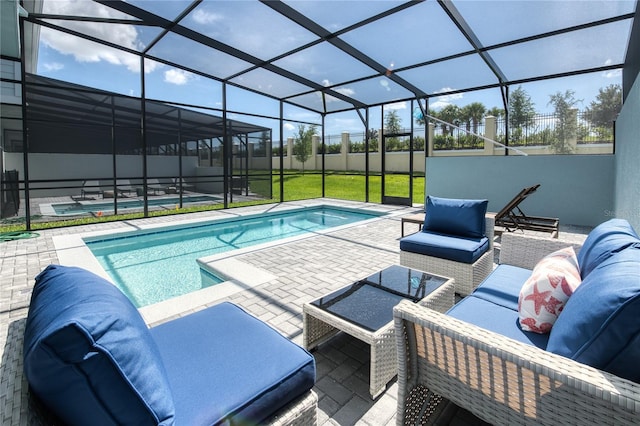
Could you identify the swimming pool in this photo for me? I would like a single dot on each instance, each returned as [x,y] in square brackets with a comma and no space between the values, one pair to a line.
[152,266]
[62,209]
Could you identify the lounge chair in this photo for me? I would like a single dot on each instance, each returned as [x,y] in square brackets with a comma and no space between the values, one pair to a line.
[90,187]
[124,185]
[89,358]
[155,186]
[182,185]
[512,218]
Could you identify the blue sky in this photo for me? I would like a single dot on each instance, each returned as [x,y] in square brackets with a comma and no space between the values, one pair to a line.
[83,62]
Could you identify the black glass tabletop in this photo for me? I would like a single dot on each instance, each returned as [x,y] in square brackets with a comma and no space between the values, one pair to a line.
[369,303]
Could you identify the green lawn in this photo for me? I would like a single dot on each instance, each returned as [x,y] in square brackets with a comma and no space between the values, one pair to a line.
[299,186]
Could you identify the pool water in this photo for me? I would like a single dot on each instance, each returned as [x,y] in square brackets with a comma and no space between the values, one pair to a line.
[62,209]
[152,266]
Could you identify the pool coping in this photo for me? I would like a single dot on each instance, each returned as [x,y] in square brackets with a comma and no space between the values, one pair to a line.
[238,275]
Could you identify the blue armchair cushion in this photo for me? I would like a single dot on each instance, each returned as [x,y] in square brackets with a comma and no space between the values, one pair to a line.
[604,241]
[225,355]
[600,324]
[465,218]
[496,318]
[503,285]
[88,354]
[458,249]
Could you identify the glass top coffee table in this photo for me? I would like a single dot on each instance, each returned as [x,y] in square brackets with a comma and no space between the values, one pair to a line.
[364,310]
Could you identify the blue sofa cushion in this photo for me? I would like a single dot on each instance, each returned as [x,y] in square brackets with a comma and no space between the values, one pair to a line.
[600,324]
[89,356]
[459,249]
[503,286]
[225,355]
[496,318]
[465,218]
[604,241]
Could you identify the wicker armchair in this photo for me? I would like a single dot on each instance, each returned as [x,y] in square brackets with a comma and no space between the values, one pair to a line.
[497,379]
[466,275]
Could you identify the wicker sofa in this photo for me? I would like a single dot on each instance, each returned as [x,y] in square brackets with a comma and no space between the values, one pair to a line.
[456,241]
[89,358]
[464,357]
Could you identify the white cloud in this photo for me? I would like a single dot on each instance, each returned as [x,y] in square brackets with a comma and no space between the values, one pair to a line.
[444,100]
[53,66]
[204,17]
[288,126]
[612,73]
[396,105]
[178,77]
[87,51]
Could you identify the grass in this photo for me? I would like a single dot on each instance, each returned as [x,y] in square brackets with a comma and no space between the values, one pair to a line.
[344,186]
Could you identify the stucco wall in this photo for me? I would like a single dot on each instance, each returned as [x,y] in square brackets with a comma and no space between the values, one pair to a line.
[627,164]
[575,188]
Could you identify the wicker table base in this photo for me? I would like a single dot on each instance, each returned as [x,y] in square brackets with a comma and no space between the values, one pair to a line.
[320,325]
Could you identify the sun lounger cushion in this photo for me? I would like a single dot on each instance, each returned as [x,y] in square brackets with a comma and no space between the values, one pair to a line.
[89,355]
[465,218]
[245,391]
[600,324]
[496,318]
[459,249]
[603,242]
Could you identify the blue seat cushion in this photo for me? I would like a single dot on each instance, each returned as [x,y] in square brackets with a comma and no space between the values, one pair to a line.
[503,286]
[604,241]
[88,354]
[600,324]
[459,249]
[225,355]
[495,318]
[464,218]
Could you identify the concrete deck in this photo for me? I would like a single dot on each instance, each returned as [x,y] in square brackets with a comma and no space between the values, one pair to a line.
[290,273]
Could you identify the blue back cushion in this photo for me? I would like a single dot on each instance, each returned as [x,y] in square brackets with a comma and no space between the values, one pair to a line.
[249,369]
[89,356]
[604,241]
[600,324]
[465,218]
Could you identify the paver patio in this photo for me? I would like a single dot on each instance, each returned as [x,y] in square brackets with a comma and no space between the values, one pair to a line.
[304,269]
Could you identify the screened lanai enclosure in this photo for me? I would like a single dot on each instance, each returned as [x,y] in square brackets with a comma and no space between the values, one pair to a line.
[145,107]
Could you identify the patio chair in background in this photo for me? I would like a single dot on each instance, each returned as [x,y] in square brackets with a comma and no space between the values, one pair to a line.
[512,218]
[155,186]
[182,185]
[90,187]
[124,185]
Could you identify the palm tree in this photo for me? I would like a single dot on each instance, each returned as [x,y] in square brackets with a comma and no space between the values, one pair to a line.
[476,111]
[450,114]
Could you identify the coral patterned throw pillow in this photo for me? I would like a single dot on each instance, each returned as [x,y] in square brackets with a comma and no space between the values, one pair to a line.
[544,294]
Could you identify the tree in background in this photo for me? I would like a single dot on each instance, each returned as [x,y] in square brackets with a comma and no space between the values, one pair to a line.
[496,112]
[302,143]
[475,112]
[392,124]
[450,114]
[604,110]
[522,113]
[566,124]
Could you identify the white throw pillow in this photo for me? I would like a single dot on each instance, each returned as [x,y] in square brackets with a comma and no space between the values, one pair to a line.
[544,294]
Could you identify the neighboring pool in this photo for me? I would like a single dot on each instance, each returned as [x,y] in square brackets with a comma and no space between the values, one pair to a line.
[62,209]
[152,266]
